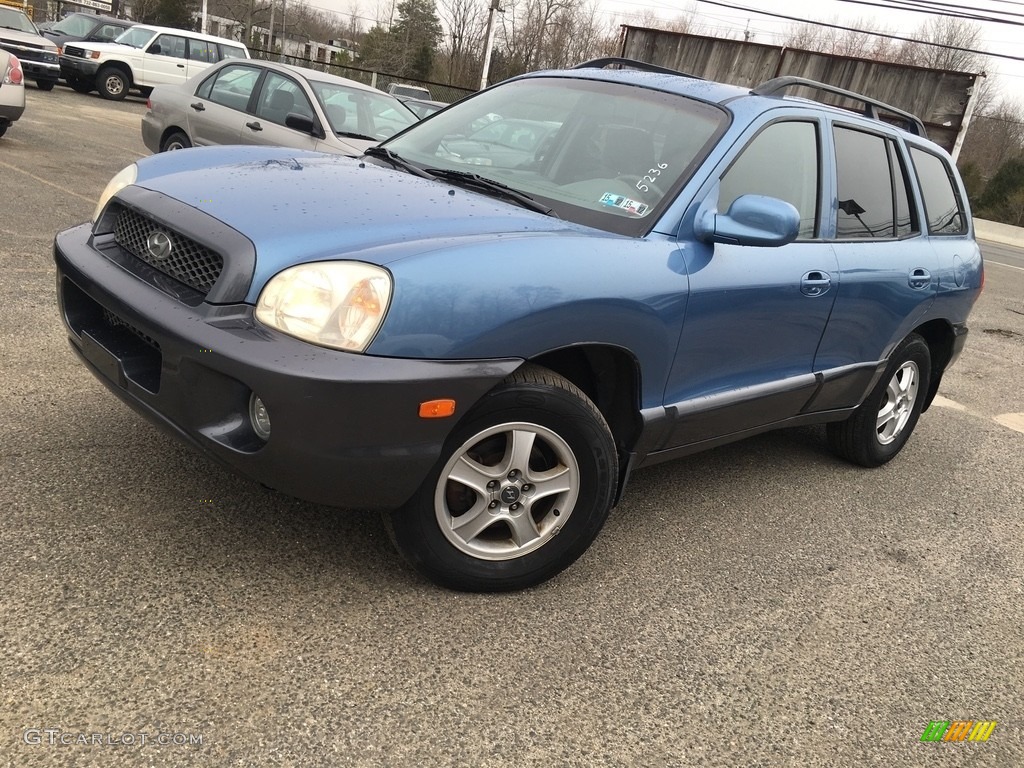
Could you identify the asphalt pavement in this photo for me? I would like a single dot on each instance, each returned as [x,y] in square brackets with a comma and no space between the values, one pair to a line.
[762,604]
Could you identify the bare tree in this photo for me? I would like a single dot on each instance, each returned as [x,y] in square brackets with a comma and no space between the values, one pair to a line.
[465,22]
[950,38]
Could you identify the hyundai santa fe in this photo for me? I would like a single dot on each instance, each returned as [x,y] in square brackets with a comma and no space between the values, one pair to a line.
[485,344]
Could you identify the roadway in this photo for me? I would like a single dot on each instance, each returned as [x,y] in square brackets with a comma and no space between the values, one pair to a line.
[763,604]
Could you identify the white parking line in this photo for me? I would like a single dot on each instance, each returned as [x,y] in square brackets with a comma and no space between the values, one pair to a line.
[1000,264]
[1014,421]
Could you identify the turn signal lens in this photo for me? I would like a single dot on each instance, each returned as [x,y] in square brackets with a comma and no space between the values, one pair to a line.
[437,409]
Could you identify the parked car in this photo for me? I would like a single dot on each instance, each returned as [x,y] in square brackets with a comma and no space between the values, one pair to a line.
[409,91]
[12,90]
[487,353]
[507,143]
[262,102]
[143,57]
[424,107]
[38,56]
[83,27]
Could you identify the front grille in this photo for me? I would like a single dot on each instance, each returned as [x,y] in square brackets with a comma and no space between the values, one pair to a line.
[116,322]
[71,50]
[187,261]
[30,52]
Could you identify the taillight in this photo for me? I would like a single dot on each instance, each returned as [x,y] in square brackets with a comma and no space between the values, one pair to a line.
[149,104]
[14,75]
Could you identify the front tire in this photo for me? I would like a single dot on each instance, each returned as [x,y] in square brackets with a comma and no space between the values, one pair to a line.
[882,424]
[174,141]
[112,84]
[45,85]
[78,85]
[521,490]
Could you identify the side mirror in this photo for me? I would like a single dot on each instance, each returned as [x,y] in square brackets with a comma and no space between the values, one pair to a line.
[751,220]
[154,48]
[302,123]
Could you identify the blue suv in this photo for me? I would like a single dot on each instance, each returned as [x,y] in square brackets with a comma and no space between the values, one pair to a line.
[485,339]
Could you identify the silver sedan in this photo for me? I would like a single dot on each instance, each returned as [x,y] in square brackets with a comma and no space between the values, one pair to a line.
[12,90]
[245,101]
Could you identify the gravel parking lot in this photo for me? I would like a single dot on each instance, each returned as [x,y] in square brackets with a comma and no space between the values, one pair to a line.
[763,604]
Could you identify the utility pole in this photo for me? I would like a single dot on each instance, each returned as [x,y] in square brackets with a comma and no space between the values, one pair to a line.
[284,28]
[495,8]
[202,26]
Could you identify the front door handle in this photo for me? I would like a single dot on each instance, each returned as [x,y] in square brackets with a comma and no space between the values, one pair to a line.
[254,125]
[919,278]
[815,283]
[198,106]
[181,66]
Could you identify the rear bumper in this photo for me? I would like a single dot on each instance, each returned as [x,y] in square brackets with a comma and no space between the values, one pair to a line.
[9,113]
[345,428]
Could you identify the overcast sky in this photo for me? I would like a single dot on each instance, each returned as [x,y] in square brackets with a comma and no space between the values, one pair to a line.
[999,38]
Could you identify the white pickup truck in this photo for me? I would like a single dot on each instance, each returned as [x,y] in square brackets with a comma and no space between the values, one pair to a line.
[142,57]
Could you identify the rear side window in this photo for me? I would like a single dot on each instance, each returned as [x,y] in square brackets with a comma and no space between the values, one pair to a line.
[866,206]
[942,206]
[201,50]
[232,52]
[781,162]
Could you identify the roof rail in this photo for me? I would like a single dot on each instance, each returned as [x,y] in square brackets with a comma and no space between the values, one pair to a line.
[632,64]
[779,85]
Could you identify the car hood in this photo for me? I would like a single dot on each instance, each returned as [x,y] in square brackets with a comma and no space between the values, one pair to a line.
[300,206]
[27,39]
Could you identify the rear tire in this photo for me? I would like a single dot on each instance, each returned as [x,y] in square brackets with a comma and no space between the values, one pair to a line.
[882,424]
[112,83]
[520,491]
[176,140]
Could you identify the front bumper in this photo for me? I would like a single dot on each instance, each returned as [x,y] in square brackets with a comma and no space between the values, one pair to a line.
[37,70]
[76,68]
[345,428]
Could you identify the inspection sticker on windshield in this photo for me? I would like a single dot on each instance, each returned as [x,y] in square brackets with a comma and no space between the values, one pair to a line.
[627,204]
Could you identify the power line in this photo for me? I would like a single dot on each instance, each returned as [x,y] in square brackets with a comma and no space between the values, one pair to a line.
[861,31]
[914,6]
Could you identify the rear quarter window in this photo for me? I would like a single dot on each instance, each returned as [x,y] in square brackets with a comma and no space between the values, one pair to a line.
[943,208]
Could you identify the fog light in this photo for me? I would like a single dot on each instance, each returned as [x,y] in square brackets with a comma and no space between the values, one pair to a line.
[258,417]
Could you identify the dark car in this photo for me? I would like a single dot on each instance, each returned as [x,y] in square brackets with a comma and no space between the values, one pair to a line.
[487,349]
[84,27]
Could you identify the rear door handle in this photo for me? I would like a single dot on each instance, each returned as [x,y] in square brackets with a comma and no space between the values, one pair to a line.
[919,278]
[254,125]
[198,106]
[815,283]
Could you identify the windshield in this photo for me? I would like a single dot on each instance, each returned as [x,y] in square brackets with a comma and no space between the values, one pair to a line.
[358,112]
[136,37]
[604,154]
[12,19]
[75,25]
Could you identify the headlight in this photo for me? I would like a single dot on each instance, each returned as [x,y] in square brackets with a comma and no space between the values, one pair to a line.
[338,304]
[124,178]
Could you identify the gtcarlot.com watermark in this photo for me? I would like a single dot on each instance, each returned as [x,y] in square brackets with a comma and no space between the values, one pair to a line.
[53,737]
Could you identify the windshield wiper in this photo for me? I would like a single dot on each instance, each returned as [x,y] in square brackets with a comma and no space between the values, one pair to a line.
[398,161]
[478,182]
[352,135]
